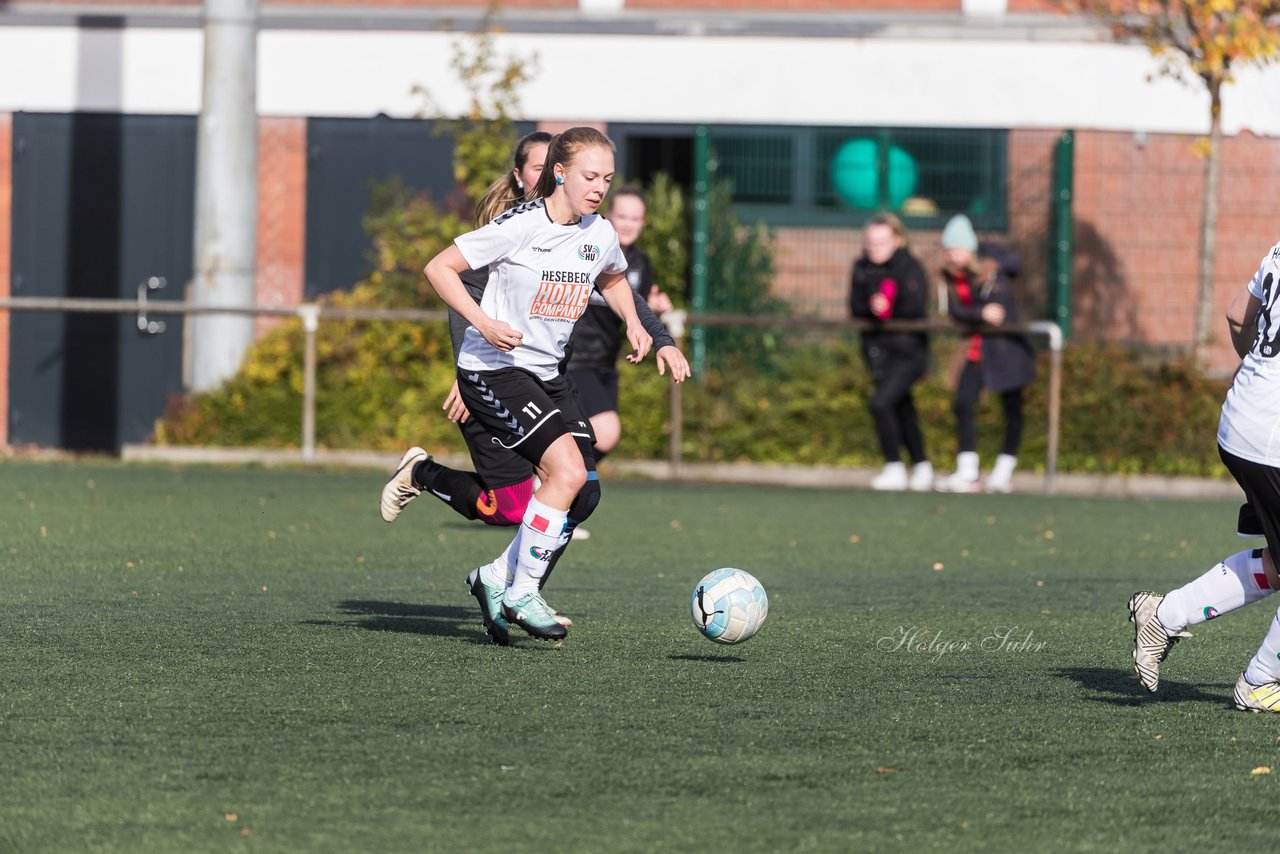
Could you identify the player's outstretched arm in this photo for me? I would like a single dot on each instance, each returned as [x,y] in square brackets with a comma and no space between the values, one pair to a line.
[454,406]
[670,357]
[661,337]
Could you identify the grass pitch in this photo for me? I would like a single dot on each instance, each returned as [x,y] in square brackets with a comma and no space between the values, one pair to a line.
[218,660]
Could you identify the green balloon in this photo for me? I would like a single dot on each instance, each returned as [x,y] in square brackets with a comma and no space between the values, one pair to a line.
[854,174]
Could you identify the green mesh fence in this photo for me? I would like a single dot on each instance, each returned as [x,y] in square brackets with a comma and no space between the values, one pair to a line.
[807,191]
[823,176]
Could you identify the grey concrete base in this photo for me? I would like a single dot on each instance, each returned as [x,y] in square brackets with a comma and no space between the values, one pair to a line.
[833,477]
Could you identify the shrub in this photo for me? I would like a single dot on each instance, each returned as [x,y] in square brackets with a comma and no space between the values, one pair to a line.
[380,386]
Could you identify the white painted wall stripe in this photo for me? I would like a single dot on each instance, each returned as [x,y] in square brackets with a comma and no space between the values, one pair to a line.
[678,79]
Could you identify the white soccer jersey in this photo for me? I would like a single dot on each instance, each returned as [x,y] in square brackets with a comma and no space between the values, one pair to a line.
[1250,423]
[541,276]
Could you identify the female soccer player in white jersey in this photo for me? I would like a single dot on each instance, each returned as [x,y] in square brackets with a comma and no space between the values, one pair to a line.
[544,259]
[1249,445]
[497,492]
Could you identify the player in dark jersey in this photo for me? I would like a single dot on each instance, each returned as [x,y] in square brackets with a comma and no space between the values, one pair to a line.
[593,356]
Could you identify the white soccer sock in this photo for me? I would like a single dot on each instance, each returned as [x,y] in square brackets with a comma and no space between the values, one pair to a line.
[499,572]
[503,569]
[542,532]
[967,465]
[1265,666]
[1236,581]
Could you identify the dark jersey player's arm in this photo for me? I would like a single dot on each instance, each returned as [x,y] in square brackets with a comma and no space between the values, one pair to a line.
[661,337]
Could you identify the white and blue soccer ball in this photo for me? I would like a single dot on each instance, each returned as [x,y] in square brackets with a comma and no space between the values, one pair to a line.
[729,605]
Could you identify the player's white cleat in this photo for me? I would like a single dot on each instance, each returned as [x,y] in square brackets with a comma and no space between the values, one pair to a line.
[400,489]
[1151,640]
[580,534]
[1256,698]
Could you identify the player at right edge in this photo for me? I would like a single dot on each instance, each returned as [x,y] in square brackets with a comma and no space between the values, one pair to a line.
[1249,445]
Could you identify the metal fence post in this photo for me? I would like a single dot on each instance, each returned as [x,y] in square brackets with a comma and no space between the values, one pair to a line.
[698,259]
[1062,232]
[1056,343]
[677,427]
[310,315]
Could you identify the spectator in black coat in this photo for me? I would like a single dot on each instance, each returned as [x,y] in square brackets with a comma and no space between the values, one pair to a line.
[979,280]
[890,284]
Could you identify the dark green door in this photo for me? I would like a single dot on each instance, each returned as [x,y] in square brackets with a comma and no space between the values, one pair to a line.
[346,160]
[101,204]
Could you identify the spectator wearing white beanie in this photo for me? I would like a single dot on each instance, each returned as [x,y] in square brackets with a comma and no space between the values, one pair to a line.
[959,234]
[979,280]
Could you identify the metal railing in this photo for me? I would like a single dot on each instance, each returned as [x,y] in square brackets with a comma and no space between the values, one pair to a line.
[310,315]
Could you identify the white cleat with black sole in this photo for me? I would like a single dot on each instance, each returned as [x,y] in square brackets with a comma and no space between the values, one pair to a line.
[401,489]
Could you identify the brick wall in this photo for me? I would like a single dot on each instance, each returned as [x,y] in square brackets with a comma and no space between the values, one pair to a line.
[282,200]
[6,229]
[1029,202]
[1137,216]
[1137,211]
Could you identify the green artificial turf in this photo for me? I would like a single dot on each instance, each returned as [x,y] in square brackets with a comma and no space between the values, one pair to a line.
[250,659]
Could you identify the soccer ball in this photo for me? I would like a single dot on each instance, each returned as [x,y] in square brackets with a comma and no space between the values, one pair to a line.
[729,605]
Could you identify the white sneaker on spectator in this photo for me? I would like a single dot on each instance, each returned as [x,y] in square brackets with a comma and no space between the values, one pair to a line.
[922,477]
[1002,486]
[959,482]
[1001,477]
[892,478]
[965,477]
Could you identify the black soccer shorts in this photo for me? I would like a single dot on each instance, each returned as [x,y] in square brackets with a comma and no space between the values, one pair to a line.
[597,390]
[524,414]
[1261,485]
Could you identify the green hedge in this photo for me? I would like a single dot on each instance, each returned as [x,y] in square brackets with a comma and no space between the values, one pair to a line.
[380,386]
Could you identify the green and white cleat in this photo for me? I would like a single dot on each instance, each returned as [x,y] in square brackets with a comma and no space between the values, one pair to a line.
[401,489]
[562,619]
[531,613]
[490,598]
[1151,641]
